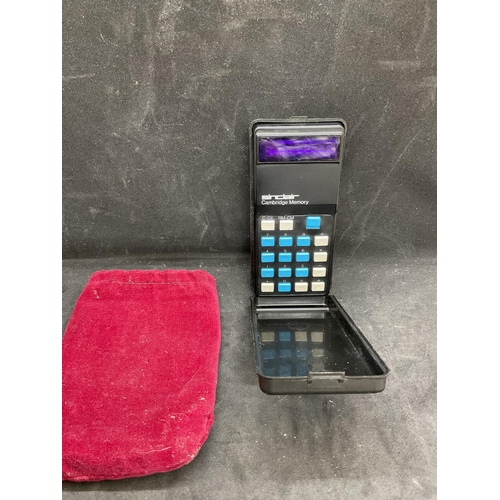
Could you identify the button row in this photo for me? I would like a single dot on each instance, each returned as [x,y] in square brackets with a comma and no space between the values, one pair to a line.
[299,256]
[286,286]
[270,225]
[287,241]
[286,272]
[312,222]
[287,336]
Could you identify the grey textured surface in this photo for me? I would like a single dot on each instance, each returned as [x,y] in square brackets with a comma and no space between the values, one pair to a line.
[157,99]
[380,446]
[158,96]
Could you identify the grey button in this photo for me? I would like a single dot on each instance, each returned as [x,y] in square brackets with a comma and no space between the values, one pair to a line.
[300,336]
[286,225]
[318,353]
[301,287]
[267,336]
[318,365]
[317,336]
[319,272]
[267,225]
[321,241]
[318,286]
[267,287]
[320,256]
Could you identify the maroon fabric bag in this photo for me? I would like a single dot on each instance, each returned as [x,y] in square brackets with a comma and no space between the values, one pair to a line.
[140,361]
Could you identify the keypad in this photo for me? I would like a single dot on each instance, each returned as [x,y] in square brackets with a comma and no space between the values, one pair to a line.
[294,254]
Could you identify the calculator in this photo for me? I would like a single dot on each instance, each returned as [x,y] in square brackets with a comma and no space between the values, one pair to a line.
[304,340]
[296,176]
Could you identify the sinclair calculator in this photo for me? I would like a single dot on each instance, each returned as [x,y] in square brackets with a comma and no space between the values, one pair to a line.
[295,167]
[297,175]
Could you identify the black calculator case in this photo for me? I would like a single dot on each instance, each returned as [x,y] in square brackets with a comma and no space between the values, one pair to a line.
[304,342]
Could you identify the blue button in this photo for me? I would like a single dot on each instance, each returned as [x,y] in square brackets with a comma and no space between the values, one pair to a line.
[285,370]
[285,272]
[267,272]
[302,256]
[284,287]
[286,241]
[267,241]
[268,353]
[303,241]
[301,353]
[301,272]
[284,336]
[284,257]
[267,257]
[301,369]
[313,222]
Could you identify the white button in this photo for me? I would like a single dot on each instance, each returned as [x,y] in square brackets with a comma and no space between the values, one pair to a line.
[300,336]
[321,241]
[319,272]
[317,336]
[267,287]
[286,225]
[301,287]
[320,256]
[318,366]
[267,225]
[318,286]
[267,336]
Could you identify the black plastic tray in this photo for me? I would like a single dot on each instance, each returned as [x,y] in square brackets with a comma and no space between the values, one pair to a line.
[319,349]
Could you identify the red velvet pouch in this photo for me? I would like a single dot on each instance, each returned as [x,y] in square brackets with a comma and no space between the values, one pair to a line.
[140,358]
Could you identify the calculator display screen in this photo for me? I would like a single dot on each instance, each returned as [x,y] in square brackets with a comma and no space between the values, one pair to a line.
[292,149]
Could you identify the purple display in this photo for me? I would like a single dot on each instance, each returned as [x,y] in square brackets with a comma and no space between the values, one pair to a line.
[289,149]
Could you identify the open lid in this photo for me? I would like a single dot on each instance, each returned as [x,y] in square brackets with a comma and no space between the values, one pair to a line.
[314,350]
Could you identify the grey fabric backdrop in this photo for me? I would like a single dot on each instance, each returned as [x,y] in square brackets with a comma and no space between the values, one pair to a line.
[157,99]
[158,96]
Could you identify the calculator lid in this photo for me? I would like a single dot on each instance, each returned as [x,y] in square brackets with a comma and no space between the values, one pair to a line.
[319,349]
